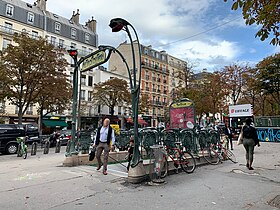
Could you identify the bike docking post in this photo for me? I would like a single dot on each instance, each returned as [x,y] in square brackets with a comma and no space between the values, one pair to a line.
[156,165]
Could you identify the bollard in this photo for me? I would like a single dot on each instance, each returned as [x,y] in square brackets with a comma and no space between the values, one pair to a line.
[34,148]
[47,147]
[57,146]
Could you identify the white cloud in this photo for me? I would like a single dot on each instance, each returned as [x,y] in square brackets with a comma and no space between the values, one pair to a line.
[165,21]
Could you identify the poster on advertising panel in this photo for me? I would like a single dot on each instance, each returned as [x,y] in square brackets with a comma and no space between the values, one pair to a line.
[182,114]
[243,110]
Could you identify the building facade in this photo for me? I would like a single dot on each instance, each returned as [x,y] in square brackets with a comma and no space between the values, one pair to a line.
[17,16]
[157,79]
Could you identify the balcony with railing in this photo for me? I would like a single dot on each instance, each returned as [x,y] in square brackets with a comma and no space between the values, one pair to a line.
[155,67]
[10,31]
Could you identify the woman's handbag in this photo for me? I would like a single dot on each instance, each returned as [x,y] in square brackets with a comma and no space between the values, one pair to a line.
[240,138]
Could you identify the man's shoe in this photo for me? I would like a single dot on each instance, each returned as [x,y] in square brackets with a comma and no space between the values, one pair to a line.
[99,167]
[105,172]
[251,168]
[247,165]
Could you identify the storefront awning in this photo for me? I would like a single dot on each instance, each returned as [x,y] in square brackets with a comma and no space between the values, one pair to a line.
[54,123]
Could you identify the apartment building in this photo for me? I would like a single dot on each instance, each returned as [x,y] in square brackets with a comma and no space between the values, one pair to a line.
[157,80]
[17,16]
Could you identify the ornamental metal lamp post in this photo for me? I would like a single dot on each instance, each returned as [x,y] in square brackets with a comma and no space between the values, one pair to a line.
[118,24]
[71,148]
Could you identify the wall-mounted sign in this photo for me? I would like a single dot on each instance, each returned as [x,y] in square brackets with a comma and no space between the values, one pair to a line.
[243,110]
[95,59]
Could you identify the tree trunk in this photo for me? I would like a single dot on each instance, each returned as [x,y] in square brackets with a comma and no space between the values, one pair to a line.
[20,114]
[112,110]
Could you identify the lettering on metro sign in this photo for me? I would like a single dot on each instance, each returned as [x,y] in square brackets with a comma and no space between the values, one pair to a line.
[243,110]
[94,60]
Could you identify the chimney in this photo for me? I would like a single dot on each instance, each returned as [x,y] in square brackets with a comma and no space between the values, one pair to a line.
[91,24]
[42,4]
[76,17]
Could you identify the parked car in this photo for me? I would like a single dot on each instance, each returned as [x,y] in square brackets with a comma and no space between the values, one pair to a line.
[9,133]
[65,136]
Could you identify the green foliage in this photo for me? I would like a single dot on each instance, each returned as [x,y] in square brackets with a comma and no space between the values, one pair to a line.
[265,13]
[29,70]
[113,92]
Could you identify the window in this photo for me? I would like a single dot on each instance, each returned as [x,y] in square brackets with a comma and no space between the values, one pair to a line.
[87,37]
[83,80]
[153,63]
[61,43]
[157,55]
[30,18]
[89,95]
[16,110]
[57,27]
[6,42]
[73,33]
[90,50]
[53,39]
[35,35]
[83,94]
[163,57]
[9,27]
[71,75]
[84,50]
[146,61]
[29,109]
[145,51]
[89,80]
[2,106]
[9,10]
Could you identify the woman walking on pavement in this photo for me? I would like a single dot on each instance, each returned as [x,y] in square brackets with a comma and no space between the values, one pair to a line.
[250,140]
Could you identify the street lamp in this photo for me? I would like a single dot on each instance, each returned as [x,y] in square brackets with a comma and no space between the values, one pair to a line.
[71,149]
[118,24]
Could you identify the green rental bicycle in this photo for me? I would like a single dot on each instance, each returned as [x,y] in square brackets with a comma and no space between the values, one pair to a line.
[22,147]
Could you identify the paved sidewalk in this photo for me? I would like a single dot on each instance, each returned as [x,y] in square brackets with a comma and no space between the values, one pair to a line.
[40,182]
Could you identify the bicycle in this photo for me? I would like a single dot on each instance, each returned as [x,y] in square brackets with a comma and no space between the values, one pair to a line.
[181,158]
[22,147]
[215,153]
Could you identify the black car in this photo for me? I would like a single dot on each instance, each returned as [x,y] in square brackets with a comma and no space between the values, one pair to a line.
[9,133]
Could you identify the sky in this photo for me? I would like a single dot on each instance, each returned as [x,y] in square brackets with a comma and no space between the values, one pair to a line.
[206,33]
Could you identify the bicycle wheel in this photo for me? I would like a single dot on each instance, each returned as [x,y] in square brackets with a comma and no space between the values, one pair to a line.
[187,162]
[229,154]
[211,155]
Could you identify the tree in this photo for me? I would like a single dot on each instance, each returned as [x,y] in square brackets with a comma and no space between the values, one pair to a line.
[55,94]
[113,92]
[28,67]
[233,81]
[216,92]
[144,103]
[261,12]
[268,71]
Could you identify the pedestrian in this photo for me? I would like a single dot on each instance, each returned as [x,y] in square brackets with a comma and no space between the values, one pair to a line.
[250,140]
[104,139]
[228,133]
[130,152]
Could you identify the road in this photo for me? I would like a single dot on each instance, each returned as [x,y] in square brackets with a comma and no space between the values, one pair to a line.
[40,182]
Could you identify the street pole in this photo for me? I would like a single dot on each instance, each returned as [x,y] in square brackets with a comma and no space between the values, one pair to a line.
[137,174]
[71,148]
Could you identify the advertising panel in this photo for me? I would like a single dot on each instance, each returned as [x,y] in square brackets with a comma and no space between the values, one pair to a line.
[182,114]
[243,110]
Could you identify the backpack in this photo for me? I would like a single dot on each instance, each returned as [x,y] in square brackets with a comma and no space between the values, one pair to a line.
[247,132]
